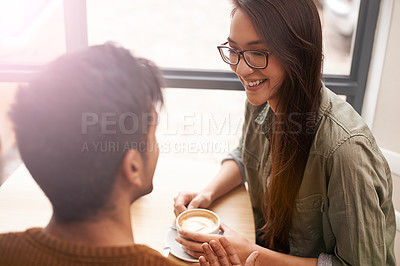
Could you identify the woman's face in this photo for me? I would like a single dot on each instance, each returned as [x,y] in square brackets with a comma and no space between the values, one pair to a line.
[244,37]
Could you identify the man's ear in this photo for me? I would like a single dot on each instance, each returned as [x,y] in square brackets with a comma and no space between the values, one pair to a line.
[132,167]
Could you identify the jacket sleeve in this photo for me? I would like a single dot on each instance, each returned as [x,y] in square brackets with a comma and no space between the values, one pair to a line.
[361,212]
[236,154]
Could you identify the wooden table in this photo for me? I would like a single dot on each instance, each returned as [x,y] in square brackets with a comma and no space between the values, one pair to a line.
[23,204]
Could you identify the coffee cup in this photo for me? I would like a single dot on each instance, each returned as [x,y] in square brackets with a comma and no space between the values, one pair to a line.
[199,220]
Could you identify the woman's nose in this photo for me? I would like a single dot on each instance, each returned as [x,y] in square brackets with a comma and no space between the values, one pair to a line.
[242,69]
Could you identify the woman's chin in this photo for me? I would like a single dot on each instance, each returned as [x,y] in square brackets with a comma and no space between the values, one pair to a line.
[256,101]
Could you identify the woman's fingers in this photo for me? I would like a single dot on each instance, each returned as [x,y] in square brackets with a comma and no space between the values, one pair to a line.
[189,200]
[195,254]
[198,237]
[181,201]
[195,203]
[190,245]
[192,242]
[224,228]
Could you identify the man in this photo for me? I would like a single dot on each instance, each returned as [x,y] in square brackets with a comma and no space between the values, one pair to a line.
[85,128]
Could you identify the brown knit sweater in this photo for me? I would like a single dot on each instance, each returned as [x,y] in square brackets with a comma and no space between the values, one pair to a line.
[34,247]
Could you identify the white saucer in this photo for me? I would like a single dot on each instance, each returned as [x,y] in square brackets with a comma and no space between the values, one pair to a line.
[176,250]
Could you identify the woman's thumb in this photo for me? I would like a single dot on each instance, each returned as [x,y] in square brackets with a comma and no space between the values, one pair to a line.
[224,227]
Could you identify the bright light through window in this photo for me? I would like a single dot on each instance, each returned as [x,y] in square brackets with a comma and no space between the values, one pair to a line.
[184,34]
[31,31]
[174,34]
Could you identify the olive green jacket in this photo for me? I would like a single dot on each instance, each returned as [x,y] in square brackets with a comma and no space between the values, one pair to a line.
[344,206]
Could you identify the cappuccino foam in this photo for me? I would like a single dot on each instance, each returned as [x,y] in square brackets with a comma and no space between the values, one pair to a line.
[198,224]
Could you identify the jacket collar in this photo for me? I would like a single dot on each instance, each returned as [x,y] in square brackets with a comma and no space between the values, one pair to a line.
[324,102]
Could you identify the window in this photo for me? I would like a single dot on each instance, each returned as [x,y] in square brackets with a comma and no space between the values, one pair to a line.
[174,34]
[190,30]
[351,81]
[339,22]
[200,130]
[31,31]
[197,26]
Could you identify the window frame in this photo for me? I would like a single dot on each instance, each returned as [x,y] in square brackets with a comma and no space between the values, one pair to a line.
[352,86]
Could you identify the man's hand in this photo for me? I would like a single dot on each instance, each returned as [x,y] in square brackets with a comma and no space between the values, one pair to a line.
[192,242]
[222,253]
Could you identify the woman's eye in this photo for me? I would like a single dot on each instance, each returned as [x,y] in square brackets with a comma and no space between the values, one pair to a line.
[257,54]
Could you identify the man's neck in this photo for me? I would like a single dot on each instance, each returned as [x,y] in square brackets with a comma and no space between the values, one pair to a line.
[109,230]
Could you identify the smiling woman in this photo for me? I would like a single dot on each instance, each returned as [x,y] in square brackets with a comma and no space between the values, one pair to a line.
[262,81]
[307,156]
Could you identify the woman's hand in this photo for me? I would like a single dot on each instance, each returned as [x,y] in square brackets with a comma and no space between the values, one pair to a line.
[192,242]
[189,200]
[223,253]
[228,177]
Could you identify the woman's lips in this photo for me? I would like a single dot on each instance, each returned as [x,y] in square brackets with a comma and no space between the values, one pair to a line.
[253,88]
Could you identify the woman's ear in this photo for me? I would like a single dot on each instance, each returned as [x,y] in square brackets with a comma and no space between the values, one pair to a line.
[132,167]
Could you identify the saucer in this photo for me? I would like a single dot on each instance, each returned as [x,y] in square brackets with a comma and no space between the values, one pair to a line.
[176,250]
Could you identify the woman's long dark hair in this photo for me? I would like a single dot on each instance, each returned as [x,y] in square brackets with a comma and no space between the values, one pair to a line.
[291,29]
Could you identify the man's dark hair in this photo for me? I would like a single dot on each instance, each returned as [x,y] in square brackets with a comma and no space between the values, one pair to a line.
[77,119]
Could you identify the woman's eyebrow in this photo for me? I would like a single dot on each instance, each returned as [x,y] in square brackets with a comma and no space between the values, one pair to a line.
[255,42]
[230,40]
[249,43]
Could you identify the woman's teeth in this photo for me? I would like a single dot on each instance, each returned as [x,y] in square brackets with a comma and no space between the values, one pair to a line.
[255,83]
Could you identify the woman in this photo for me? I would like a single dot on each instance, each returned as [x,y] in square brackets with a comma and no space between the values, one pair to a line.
[319,186]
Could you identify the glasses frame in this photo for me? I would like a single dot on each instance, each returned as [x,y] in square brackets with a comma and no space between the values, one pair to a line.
[241,54]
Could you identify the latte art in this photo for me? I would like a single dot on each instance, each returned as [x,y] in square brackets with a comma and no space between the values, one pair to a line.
[198,224]
[198,220]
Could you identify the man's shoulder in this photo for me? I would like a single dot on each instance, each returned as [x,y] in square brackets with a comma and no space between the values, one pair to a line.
[5,238]
[14,247]
[153,257]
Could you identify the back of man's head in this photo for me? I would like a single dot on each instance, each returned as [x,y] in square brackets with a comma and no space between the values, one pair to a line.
[76,120]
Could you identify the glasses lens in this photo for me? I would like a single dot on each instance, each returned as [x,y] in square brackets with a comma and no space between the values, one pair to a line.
[256,59]
[229,55]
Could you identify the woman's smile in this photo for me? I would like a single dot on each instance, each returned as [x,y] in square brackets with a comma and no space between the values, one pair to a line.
[253,85]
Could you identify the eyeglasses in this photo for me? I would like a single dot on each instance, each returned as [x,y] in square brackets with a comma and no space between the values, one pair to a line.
[253,58]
